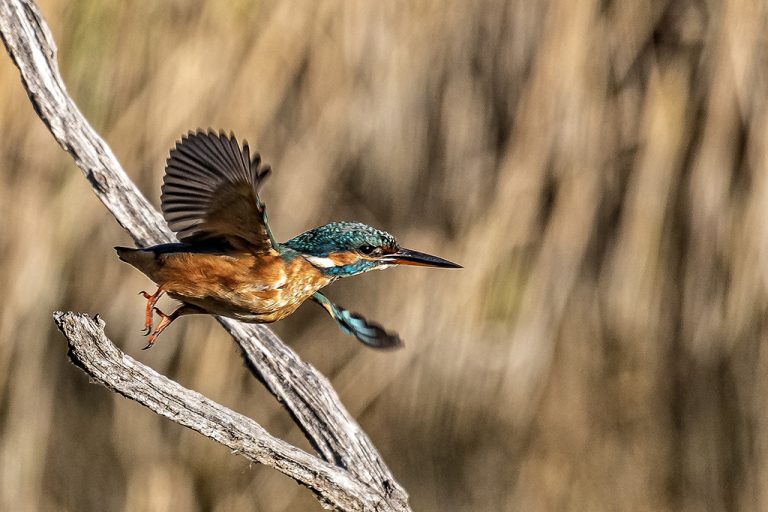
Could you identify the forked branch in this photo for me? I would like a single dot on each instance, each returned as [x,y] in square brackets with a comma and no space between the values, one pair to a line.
[92,351]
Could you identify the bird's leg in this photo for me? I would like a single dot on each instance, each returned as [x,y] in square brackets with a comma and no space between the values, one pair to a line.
[165,320]
[369,333]
[151,301]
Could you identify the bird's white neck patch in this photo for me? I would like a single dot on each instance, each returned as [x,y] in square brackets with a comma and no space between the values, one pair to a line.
[321,262]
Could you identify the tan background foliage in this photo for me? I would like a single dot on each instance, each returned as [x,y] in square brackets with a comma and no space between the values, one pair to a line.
[598,167]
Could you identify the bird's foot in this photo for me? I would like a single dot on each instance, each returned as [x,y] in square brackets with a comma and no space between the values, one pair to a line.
[151,301]
[165,320]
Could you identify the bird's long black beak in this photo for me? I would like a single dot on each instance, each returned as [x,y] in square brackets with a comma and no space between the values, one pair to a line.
[409,257]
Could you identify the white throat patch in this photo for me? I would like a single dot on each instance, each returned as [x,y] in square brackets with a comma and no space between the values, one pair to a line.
[320,261]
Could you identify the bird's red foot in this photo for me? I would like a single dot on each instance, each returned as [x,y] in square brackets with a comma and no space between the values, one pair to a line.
[165,320]
[151,301]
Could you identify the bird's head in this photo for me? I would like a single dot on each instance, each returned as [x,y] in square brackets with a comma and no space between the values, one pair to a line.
[343,249]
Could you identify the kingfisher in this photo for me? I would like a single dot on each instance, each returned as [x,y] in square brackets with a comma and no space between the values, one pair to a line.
[227,261]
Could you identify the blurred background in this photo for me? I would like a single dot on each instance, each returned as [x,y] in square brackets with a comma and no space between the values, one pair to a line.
[598,167]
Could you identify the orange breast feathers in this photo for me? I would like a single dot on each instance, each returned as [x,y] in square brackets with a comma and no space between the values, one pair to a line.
[261,288]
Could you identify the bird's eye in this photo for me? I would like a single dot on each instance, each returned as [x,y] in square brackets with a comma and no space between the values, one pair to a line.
[370,250]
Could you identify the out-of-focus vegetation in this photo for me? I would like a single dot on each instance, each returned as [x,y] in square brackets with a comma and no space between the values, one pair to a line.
[598,167]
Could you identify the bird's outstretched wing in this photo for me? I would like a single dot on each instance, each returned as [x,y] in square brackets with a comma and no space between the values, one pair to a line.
[369,333]
[210,191]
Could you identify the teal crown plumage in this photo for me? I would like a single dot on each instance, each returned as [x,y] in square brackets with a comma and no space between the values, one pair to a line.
[340,237]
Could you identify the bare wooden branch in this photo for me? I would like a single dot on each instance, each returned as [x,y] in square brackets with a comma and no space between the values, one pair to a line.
[306,394]
[92,351]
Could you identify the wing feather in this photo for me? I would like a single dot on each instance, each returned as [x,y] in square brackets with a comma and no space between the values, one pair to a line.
[210,191]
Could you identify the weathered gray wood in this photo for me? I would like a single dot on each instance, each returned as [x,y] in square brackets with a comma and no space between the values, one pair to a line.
[301,388]
[91,350]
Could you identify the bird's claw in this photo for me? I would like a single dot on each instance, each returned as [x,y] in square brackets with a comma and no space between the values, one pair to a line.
[151,300]
[165,320]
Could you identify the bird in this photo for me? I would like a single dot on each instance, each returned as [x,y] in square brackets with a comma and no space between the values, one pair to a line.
[227,262]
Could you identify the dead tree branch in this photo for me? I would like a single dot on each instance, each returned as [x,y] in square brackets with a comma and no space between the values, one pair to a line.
[307,395]
[92,351]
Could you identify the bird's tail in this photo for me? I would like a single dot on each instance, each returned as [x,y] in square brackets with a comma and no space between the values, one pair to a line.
[142,259]
[128,254]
